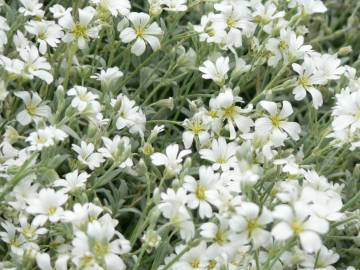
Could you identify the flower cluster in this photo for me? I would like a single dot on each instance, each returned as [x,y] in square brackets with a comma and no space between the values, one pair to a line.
[179,134]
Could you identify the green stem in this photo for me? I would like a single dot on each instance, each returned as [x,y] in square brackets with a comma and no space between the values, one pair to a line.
[351,202]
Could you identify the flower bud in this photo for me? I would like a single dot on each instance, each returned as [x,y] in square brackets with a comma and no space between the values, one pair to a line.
[345,50]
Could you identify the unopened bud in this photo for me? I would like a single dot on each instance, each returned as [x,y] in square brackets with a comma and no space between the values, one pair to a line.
[155,8]
[141,167]
[167,103]
[345,50]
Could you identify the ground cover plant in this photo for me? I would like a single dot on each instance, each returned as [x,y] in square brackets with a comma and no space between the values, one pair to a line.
[179,134]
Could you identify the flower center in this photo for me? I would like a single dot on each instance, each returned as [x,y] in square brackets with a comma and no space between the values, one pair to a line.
[41,140]
[195,263]
[230,111]
[31,109]
[197,127]
[252,226]
[139,31]
[297,227]
[100,249]
[282,45]
[221,160]
[220,237]
[304,81]
[42,35]
[231,22]
[79,30]
[83,97]
[51,211]
[29,68]
[213,114]
[211,265]
[200,192]
[275,121]
[262,19]
[28,231]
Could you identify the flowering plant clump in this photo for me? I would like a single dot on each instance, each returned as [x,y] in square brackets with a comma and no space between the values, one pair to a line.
[180,134]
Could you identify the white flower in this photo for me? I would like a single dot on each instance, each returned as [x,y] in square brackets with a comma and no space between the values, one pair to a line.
[128,114]
[216,71]
[219,234]
[290,165]
[40,139]
[47,33]
[307,7]
[266,13]
[275,124]
[237,20]
[35,110]
[181,220]
[108,75]
[210,29]
[288,47]
[196,127]
[307,78]
[202,192]
[44,263]
[73,181]
[87,156]
[171,200]
[82,215]
[45,137]
[46,205]
[32,65]
[346,112]
[226,104]
[172,207]
[250,223]
[100,245]
[12,238]
[328,67]
[298,221]
[31,231]
[4,27]
[115,7]
[35,65]
[82,98]
[174,5]
[221,154]
[243,175]
[195,258]
[31,8]
[79,31]
[59,11]
[20,41]
[22,192]
[57,134]
[115,150]
[141,31]
[322,260]
[172,160]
